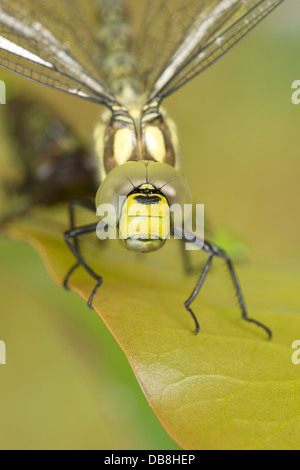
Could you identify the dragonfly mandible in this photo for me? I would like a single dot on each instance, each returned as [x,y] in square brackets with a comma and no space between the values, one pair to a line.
[85,48]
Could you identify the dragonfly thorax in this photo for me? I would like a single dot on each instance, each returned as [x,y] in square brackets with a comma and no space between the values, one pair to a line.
[134,136]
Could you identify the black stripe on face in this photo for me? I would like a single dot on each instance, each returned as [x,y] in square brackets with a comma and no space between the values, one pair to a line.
[147,199]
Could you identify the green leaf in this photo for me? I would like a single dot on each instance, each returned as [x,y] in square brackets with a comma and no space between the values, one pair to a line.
[226,388]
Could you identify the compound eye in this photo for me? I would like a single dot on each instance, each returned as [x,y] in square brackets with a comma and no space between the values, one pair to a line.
[170,182]
[120,182]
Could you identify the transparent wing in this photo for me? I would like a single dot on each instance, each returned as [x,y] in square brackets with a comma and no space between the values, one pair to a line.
[181,38]
[54,43]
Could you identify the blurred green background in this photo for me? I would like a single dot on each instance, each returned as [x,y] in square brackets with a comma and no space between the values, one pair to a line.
[66,383]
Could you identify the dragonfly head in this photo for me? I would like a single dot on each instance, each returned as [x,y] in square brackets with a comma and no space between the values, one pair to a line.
[140,198]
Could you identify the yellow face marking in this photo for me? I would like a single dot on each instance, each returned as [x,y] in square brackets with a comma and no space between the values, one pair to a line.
[143,222]
[147,186]
[123,145]
[155,143]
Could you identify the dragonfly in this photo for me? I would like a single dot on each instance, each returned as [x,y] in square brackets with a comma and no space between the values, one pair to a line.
[87,48]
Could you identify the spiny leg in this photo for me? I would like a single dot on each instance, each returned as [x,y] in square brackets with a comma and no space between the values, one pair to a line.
[222,254]
[212,251]
[72,205]
[73,235]
[194,294]
[69,274]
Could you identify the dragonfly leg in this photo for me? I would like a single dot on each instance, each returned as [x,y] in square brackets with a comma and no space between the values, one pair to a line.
[69,274]
[195,292]
[73,235]
[212,250]
[73,204]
